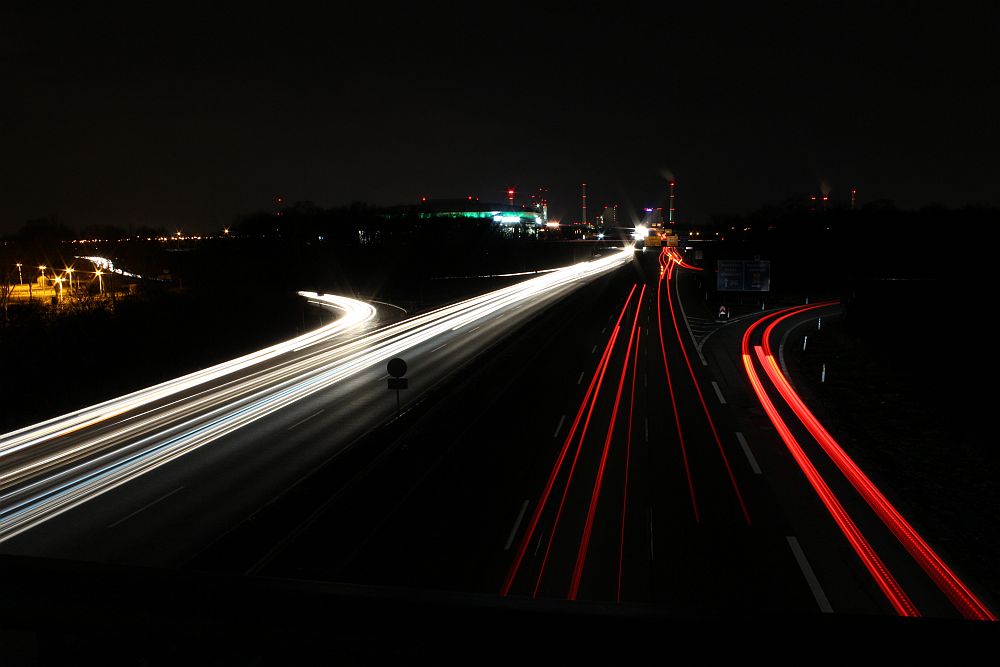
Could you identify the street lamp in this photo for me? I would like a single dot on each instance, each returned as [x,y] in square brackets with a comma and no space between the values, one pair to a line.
[100,280]
[69,270]
[59,284]
[20,280]
[41,268]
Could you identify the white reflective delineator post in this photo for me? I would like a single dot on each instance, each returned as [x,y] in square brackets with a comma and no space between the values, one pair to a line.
[819,323]
[805,341]
[822,376]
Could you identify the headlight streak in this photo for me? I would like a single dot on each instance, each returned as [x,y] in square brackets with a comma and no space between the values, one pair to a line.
[66,473]
[20,459]
[356,312]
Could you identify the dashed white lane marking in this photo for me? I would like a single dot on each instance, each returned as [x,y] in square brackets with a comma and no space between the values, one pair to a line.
[594,349]
[718,392]
[580,379]
[441,345]
[746,450]
[807,572]
[303,421]
[559,426]
[145,507]
[513,531]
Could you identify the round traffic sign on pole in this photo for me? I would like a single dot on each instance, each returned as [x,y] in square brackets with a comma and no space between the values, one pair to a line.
[396,367]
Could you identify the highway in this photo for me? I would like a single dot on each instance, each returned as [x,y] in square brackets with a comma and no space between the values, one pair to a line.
[899,560]
[599,452]
[202,452]
[640,474]
[697,533]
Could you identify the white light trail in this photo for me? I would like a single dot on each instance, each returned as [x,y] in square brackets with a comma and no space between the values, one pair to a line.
[51,467]
[106,264]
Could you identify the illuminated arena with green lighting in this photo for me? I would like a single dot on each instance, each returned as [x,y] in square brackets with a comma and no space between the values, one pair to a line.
[525,218]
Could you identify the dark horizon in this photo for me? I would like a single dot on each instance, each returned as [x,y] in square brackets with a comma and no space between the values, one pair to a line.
[138,117]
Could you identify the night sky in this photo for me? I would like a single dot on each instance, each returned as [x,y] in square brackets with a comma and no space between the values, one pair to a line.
[185,119]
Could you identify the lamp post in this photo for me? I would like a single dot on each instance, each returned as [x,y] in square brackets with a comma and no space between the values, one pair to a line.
[69,271]
[20,279]
[41,268]
[100,280]
[59,285]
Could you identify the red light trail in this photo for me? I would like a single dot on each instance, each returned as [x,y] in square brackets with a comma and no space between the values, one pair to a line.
[670,388]
[675,257]
[581,557]
[628,456]
[589,399]
[878,570]
[754,357]
[957,592]
[886,582]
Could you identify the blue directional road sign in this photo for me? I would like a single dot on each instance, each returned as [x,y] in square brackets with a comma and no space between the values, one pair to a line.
[743,275]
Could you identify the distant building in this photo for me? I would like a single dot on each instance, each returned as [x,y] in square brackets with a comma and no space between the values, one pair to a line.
[652,218]
[528,218]
[609,216]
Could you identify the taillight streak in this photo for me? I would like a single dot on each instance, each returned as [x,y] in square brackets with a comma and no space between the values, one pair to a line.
[894,593]
[628,456]
[701,397]
[670,389]
[581,557]
[944,578]
[589,398]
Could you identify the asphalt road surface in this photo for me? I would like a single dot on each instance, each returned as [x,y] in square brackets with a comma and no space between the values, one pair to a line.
[601,440]
[153,480]
[702,511]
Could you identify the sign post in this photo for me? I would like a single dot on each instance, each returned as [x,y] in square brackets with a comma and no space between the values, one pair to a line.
[397,369]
